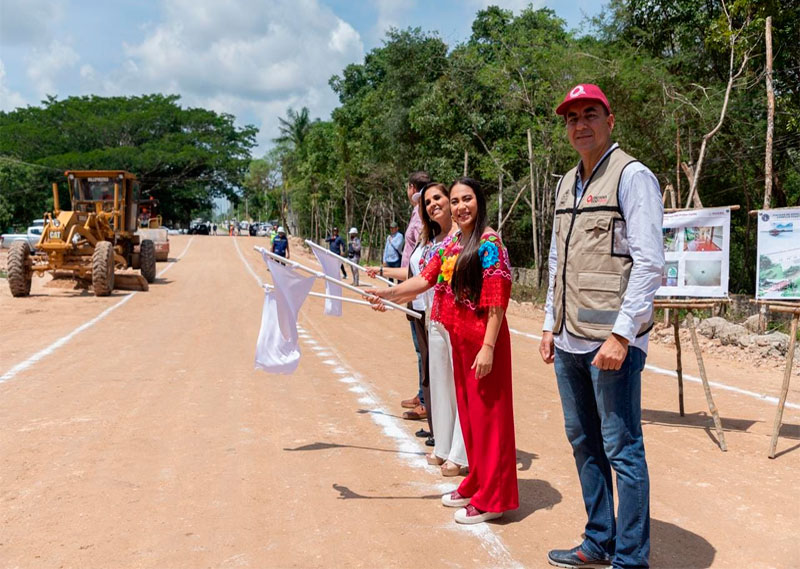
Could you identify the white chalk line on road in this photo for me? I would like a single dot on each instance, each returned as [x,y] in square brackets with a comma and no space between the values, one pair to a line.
[692,378]
[406,445]
[41,354]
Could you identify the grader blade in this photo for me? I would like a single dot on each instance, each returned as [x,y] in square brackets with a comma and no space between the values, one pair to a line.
[130,281]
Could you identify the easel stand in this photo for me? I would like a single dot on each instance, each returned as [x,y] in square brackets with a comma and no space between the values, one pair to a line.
[792,308]
[691,305]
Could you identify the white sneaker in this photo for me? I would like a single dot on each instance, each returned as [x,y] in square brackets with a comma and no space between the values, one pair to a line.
[454,500]
[471,515]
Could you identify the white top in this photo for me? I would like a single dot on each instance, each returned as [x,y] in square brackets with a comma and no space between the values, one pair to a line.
[640,201]
[413,263]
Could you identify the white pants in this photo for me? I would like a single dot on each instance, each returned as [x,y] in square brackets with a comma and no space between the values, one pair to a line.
[444,412]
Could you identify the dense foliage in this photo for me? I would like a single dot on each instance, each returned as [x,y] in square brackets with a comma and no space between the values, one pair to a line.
[183,157]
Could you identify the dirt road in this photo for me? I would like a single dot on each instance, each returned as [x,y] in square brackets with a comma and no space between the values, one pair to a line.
[134,432]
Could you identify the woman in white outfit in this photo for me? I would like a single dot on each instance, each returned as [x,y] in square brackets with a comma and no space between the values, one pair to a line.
[437,227]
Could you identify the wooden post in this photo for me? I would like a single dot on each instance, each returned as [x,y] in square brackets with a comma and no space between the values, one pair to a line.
[533,201]
[466,162]
[787,374]
[500,207]
[709,398]
[677,166]
[770,119]
[762,313]
[679,367]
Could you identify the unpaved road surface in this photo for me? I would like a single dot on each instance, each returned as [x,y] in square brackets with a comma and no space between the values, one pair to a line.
[135,433]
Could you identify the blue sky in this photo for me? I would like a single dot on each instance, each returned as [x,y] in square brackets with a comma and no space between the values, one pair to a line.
[251,58]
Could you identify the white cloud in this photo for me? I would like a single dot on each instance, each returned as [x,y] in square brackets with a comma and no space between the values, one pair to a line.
[9,100]
[25,22]
[47,66]
[246,57]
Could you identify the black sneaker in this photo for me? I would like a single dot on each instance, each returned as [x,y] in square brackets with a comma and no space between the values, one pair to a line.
[576,557]
[422,433]
[430,442]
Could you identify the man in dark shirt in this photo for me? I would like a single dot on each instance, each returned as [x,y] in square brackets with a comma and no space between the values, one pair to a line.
[336,245]
[280,245]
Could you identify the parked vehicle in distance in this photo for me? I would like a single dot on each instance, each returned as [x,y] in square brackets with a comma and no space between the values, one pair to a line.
[31,236]
[200,229]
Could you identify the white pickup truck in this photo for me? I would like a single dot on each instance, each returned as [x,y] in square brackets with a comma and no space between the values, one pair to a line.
[32,236]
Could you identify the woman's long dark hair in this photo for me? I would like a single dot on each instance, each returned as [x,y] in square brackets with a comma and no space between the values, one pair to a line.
[430,228]
[468,273]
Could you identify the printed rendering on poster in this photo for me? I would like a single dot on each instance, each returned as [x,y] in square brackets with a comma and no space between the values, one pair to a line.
[696,251]
[778,266]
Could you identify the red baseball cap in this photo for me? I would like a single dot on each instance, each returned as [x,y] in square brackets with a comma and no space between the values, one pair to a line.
[584,91]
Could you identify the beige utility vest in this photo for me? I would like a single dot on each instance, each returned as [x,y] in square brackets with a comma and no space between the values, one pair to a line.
[594,263]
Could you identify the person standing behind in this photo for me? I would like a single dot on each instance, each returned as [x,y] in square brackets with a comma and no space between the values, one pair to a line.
[280,245]
[416,182]
[336,245]
[606,259]
[392,251]
[354,252]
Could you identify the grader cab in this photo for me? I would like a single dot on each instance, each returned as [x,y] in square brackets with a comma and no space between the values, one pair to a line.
[93,239]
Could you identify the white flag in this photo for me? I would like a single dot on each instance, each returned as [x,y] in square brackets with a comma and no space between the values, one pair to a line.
[330,266]
[277,350]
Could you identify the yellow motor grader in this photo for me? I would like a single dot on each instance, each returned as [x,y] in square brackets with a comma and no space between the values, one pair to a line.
[91,241]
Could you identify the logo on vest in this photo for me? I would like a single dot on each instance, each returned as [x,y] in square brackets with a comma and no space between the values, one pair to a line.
[579,90]
[597,199]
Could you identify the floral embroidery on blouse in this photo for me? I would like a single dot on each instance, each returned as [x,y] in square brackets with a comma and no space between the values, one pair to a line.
[448,265]
[489,254]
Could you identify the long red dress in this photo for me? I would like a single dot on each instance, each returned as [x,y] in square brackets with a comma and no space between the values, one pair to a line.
[485,406]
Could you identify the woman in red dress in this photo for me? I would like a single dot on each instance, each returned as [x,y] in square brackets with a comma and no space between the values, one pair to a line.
[472,280]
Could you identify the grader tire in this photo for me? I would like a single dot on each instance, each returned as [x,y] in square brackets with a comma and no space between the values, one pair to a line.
[19,271]
[147,259]
[103,268]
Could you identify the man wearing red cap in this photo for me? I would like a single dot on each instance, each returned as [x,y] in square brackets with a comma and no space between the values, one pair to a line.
[606,258]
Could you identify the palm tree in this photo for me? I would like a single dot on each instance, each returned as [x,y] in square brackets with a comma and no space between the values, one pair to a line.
[293,129]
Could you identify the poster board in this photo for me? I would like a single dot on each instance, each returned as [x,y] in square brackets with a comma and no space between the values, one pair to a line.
[696,253]
[778,259]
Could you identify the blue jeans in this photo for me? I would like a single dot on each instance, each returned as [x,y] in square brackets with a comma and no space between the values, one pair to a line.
[603,419]
[394,265]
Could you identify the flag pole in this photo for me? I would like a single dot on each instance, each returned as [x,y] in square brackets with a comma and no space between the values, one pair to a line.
[342,284]
[330,297]
[346,261]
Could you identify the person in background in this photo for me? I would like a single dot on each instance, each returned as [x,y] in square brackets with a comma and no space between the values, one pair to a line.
[280,245]
[214,228]
[392,251]
[336,245]
[606,260]
[354,251]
